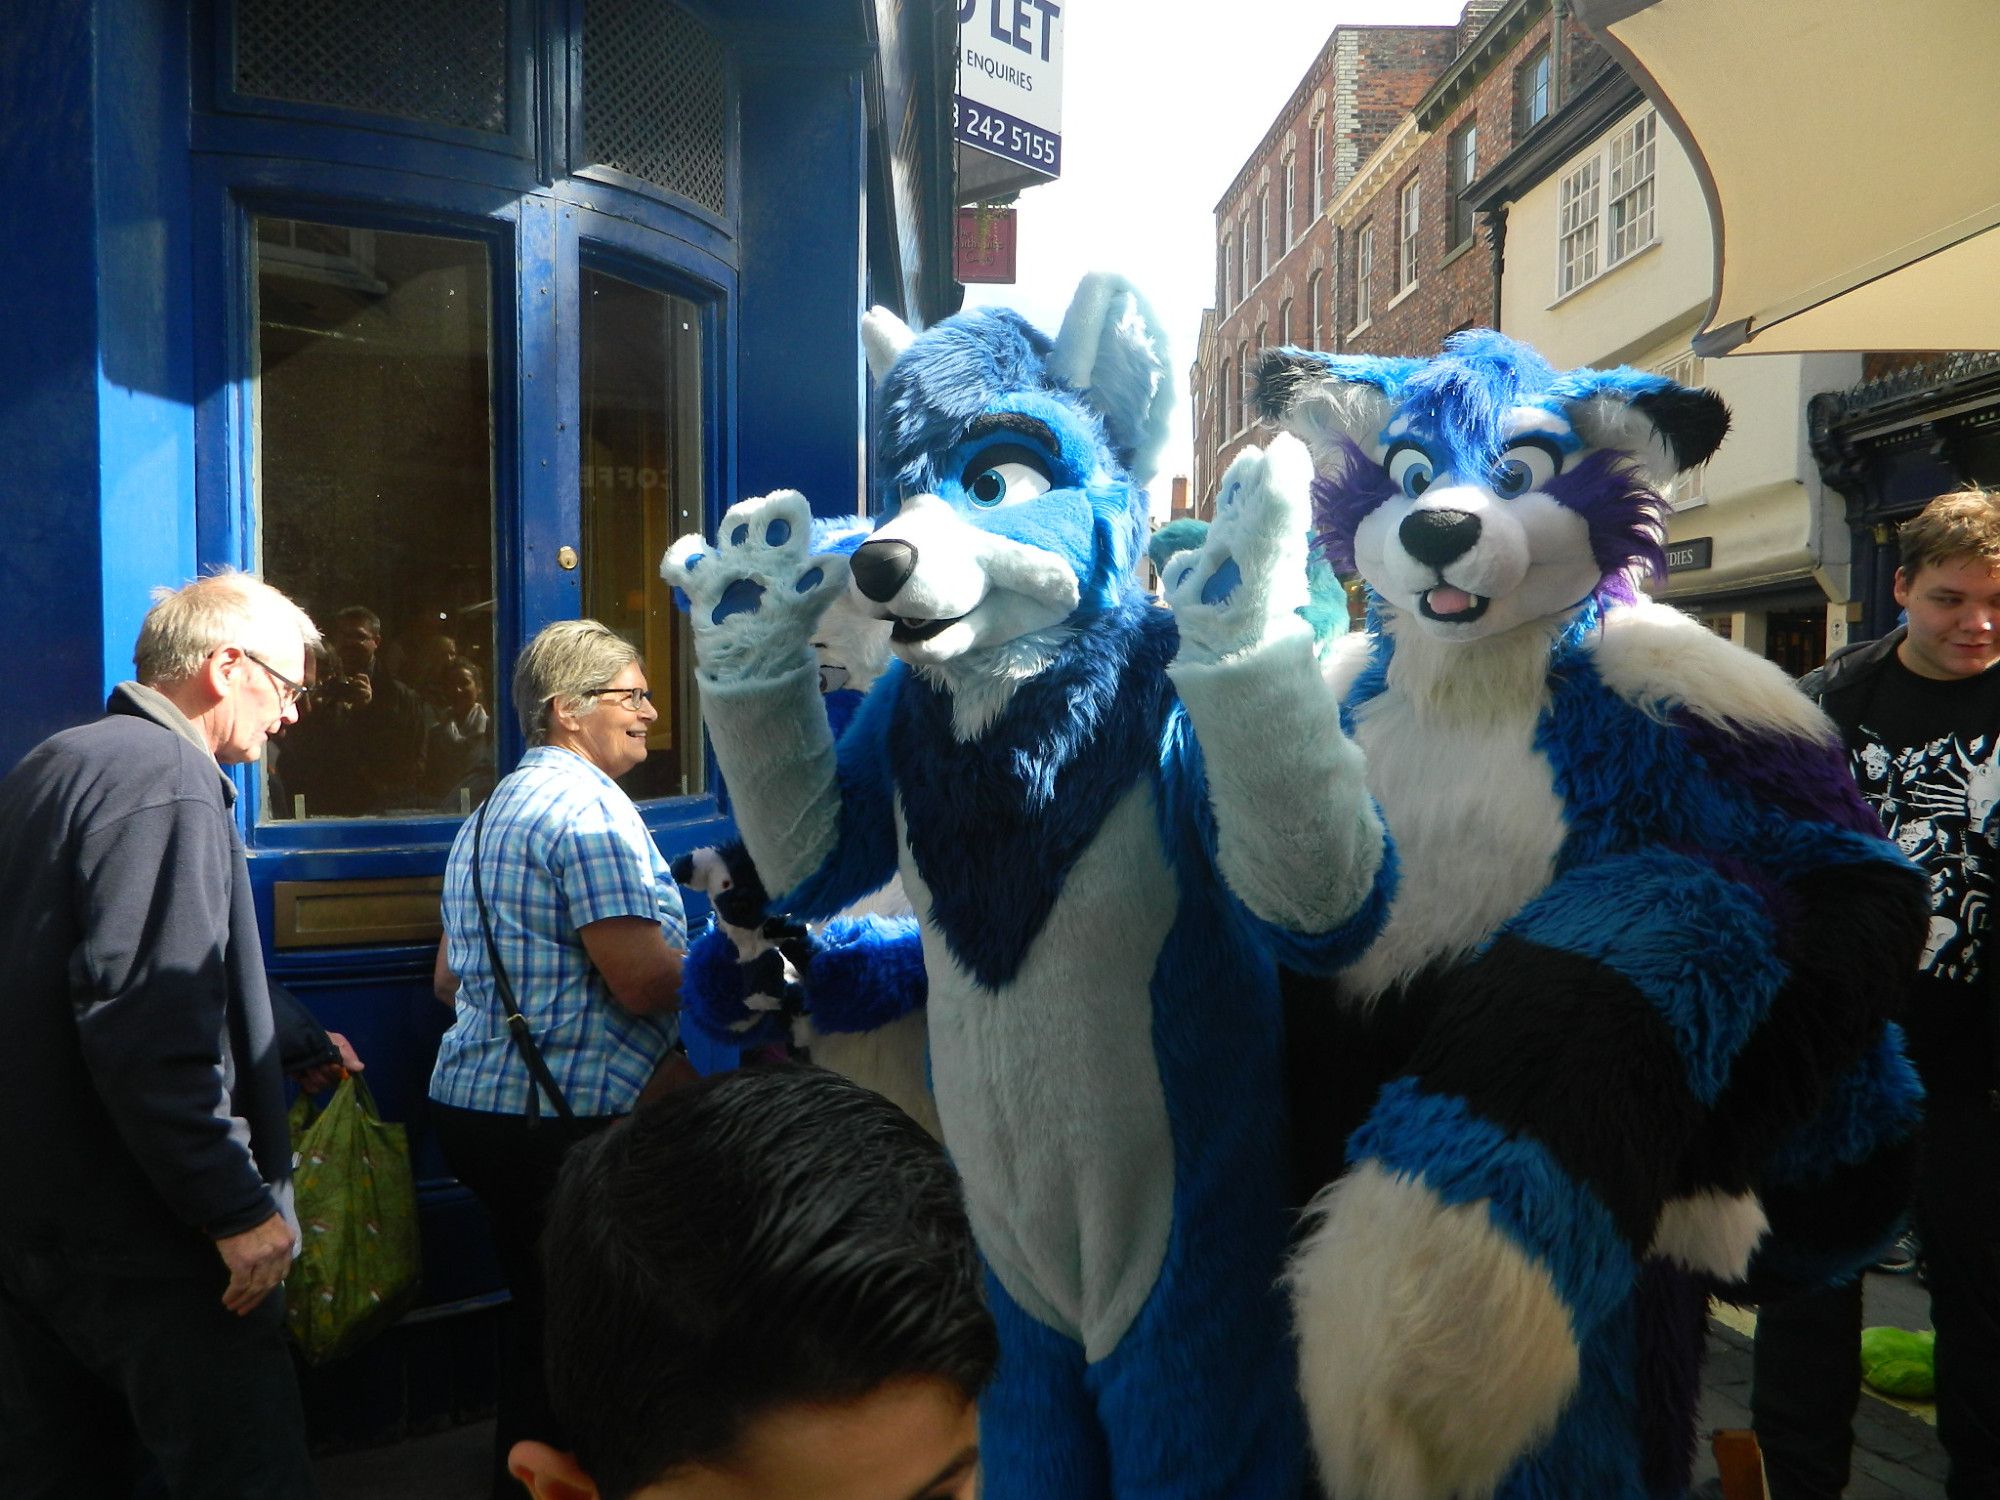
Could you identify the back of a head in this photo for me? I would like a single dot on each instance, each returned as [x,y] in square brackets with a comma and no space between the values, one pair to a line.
[224,608]
[765,1238]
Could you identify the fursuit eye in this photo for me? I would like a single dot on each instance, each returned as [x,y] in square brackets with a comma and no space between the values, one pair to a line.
[1410,471]
[1525,467]
[1007,477]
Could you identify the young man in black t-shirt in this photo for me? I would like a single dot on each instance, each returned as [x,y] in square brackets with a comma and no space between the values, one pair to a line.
[1921,712]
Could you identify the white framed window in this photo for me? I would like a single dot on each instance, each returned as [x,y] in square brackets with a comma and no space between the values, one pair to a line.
[1531,92]
[1225,262]
[1263,233]
[1364,272]
[1576,227]
[1244,280]
[1319,165]
[1631,191]
[1312,310]
[1406,238]
[1242,380]
[1291,205]
[1605,206]
[1686,490]
[1226,400]
[1285,322]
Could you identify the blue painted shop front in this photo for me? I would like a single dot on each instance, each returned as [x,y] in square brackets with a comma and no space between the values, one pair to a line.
[445,315]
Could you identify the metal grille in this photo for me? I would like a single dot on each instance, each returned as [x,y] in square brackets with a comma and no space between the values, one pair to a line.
[655,98]
[440,61]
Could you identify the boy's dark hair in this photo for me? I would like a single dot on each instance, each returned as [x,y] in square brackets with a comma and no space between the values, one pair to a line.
[770,1236]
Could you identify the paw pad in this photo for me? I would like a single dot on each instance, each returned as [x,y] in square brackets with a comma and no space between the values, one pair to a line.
[742,597]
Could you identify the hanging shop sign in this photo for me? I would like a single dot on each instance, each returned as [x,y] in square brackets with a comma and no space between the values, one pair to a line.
[1691,555]
[1009,99]
[984,250]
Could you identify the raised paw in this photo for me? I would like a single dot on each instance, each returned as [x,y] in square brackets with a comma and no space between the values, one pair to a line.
[754,595]
[1248,577]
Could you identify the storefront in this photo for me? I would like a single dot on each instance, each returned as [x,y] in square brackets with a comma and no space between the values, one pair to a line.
[446,316]
[1895,441]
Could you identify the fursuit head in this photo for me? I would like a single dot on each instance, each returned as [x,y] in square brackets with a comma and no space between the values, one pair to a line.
[1619,1041]
[1113,822]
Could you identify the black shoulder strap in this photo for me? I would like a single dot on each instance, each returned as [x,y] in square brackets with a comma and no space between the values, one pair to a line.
[517,1024]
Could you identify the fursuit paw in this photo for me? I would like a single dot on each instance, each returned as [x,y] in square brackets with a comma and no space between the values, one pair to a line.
[1433,1353]
[1247,580]
[756,594]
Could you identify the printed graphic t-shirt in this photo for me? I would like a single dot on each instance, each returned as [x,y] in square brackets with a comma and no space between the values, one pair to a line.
[1926,754]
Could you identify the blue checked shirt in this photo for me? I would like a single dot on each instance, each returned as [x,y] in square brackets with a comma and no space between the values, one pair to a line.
[563,847]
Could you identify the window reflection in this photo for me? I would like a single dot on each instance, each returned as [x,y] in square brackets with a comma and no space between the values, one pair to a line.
[375,494]
[639,463]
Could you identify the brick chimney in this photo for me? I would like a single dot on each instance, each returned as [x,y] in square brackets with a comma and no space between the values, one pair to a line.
[1472,20]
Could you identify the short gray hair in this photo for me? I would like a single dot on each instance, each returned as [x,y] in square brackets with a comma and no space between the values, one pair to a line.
[185,625]
[562,665]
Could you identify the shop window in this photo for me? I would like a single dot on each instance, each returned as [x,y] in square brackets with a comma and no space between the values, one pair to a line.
[374,485]
[656,99]
[443,62]
[639,463]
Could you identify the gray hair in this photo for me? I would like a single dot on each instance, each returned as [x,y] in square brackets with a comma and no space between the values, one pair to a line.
[185,625]
[561,665]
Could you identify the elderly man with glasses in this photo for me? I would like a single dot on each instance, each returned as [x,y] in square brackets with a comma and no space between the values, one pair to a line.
[144,1158]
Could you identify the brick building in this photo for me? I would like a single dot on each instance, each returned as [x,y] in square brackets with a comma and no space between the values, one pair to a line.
[1274,260]
[1385,257]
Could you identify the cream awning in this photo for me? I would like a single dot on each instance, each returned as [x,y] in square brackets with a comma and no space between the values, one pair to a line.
[1850,150]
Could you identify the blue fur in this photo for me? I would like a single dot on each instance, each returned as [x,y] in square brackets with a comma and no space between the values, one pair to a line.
[1724,872]
[865,973]
[1697,945]
[1462,1158]
[713,987]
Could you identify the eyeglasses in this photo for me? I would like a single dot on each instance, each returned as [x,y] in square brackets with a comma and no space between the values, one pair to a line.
[630,697]
[289,692]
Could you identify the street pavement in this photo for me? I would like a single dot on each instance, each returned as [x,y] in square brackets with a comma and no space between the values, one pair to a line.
[1896,1453]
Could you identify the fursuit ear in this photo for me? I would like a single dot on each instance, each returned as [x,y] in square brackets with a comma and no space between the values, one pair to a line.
[1322,399]
[1113,352]
[1666,428]
[884,337]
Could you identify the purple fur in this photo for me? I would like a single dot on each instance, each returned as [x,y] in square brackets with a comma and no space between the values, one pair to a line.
[1802,779]
[1626,515]
[1342,501]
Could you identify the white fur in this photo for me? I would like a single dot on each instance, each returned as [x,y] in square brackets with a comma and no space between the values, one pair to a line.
[884,337]
[893,1060]
[1260,524]
[1532,559]
[1050,1094]
[1610,422]
[1470,803]
[1112,347]
[982,682]
[1659,659]
[1711,1231]
[992,587]
[1335,410]
[1433,1353]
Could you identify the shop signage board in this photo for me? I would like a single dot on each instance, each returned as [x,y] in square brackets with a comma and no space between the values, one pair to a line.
[1009,99]
[1690,555]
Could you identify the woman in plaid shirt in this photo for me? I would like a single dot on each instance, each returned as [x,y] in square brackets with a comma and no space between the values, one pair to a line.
[589,929]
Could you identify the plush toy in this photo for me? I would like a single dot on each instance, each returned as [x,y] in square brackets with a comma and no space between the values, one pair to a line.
[1622,1037]
[1112,822]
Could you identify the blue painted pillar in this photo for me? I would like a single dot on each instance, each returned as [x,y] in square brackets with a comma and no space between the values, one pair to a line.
[801,396]
[97,429]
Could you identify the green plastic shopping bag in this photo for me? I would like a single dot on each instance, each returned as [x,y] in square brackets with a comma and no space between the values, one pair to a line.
[358,1264]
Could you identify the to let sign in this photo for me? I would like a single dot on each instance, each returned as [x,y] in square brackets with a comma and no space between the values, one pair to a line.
[1690,555]
[1009,99]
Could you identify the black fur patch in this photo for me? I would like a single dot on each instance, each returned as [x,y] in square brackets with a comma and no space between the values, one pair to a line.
[1694,422]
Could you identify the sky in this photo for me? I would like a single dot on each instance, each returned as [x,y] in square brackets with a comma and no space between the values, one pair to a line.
[1162,102]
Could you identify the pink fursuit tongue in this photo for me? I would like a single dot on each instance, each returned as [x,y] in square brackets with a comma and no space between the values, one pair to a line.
[1445,600]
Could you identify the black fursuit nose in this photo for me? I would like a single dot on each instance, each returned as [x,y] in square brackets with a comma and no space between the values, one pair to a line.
[881,568]
[1436,537]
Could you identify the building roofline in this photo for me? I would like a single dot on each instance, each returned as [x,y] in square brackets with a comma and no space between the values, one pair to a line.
[1373,174]
[1455,84]
[1290,109]
[1582,117]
